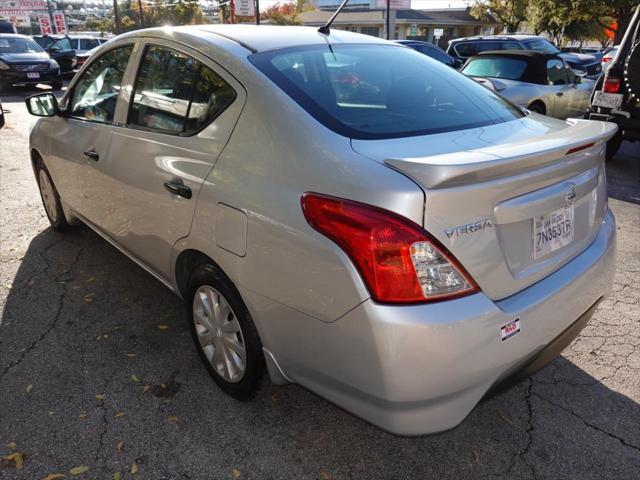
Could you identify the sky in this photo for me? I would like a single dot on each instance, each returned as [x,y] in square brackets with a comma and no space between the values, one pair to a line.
[417,4]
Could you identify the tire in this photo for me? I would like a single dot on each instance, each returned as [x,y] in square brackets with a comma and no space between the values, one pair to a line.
[538,107]
[218,338]
[613,146]
[50,198]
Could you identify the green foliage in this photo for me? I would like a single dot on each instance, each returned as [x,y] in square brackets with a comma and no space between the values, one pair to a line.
[511,13]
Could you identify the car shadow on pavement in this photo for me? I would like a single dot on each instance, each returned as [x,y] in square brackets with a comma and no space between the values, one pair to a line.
[95,352]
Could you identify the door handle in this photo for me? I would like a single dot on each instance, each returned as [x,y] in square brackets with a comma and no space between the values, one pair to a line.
[559,94]
[92,154]
[178,188]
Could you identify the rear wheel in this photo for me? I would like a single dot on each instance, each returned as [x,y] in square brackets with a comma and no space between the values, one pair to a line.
[224,333]
[538,107]
[50,198]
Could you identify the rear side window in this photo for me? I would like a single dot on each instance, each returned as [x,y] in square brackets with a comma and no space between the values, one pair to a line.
[557,73]
[467,49]
[508,68]
[88,43]
[435,53]
[175,93]
[379,91]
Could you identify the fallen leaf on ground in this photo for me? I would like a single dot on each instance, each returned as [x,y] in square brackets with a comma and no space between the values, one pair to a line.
[100,397]
[89,297]
[99,337]
[12,446]
[146,388]
[119,447]
[54,476]
[172,418]
[131,355]
[119,414]
[476,455]
[79,470]
[504,417]
[16,458]
[325,476]
[135,378]
[51,413]
[82,415]
[29,388]
[117,476]
[163,327]
[236,473]
[134,468]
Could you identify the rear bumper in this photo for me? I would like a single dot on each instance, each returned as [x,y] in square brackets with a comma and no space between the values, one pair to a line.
[630,127]
[415,370]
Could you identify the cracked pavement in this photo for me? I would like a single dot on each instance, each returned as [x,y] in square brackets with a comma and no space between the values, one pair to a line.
[78,319]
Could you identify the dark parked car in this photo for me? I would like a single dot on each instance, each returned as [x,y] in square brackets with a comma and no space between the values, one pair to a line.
[615,97]
[6,26]
[432,51]
[463,48]
[60,49]
[24,62]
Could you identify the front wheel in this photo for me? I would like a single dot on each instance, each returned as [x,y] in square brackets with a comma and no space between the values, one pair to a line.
[50,198]
[537,107]
[224,333]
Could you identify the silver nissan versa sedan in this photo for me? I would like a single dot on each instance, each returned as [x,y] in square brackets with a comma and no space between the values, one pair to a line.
[340,211]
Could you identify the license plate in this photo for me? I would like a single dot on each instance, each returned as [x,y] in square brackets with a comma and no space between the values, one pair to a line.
[552,231]
[608,100]
[33,75]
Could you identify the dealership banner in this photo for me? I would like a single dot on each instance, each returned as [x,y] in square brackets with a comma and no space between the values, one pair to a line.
[60,23]
[23,5]
[244,8]
[19,19]
[45,25]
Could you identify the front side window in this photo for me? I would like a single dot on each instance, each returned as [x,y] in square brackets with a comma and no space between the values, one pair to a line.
[507,68]
[88,43]
[556,72]
[379,91]
[96,93]
[175,93]
[63,44]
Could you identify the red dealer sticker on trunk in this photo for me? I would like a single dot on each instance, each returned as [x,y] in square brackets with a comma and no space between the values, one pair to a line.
[510,329]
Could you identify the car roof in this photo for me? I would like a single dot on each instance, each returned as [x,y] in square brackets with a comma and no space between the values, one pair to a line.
[259,38]
[515,36]
[14,35]
[525,54]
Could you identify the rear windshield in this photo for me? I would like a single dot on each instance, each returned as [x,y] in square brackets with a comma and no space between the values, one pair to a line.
[381,91]
[508,68]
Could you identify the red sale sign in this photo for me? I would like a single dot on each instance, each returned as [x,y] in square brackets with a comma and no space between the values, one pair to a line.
[45,25]
[60,23]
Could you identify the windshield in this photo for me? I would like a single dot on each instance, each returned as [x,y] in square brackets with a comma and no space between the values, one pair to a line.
[381,91]
[18,45]
[541,45]
[508,68]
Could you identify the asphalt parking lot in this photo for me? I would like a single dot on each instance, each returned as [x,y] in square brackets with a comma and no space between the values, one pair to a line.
[97,370]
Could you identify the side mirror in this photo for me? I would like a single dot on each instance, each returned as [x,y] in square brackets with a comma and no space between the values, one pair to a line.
[42,105]
[54,50]
[577,80]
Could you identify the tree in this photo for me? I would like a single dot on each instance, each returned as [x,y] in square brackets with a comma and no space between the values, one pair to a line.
[511,13]
[283,13]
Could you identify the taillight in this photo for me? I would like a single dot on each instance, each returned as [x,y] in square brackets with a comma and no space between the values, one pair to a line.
[606,59]
[611,84]
[397,259]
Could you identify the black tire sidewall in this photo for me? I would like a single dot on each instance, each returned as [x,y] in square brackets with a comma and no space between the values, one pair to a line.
[60,224]
[613,145]
[250,384]
[538,108]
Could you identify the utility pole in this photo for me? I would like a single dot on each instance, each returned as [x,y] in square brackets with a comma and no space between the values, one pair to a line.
[116,16]
[257,12]
[141,14]
[232,13]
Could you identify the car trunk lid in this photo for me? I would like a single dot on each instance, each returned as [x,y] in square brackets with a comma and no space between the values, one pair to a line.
[486,188]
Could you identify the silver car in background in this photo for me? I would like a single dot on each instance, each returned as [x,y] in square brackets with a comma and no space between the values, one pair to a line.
[540,82]
[340,211]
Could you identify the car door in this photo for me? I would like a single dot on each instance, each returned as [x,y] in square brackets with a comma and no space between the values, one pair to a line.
[559,102]
[179,116]
[80,137]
